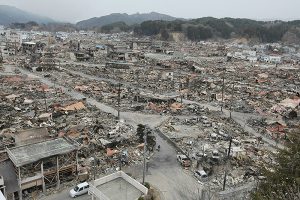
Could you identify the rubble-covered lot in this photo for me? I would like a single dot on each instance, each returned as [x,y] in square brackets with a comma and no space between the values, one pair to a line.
[34,112]
[205,139]
[196,85]
[263,89]
[131,98]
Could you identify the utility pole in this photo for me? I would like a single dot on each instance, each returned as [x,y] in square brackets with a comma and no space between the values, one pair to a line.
[119,100]
[232,93]
[228,155]
[188,86]
[54,81]
[15,48]
[45,100]
[223,89]
[120,161]
[180,90]
[94,166]
[145,149]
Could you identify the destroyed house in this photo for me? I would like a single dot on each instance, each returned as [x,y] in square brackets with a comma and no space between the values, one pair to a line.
[118,65]
[82,56]
[28,46]
[157,98]
[44,164]
[30,136]
[121,53]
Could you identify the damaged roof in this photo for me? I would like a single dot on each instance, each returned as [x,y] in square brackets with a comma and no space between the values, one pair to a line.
[75,106]
[30,153]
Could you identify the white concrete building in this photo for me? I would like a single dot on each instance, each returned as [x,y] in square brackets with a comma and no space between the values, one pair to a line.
[275,59]
[116,186]
[2,31]
[249,53]
[7,51]
[265,58]
[14,37]
[239,55]
[252,59]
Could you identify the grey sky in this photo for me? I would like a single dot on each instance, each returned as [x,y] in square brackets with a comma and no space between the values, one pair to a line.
[76,10]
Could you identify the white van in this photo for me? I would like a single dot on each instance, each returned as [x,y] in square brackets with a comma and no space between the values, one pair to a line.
[80,189]
[2,197]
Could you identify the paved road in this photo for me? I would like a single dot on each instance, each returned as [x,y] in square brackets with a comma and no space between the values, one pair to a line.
[166,174]
[164,171]
[64,195]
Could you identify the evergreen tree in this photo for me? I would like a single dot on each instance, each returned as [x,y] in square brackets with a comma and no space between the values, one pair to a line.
[283,181]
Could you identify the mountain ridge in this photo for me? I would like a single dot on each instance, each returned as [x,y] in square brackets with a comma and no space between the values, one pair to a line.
[11,14]
[132,19]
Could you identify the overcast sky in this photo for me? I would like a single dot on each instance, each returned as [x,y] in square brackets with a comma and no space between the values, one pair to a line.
[76,10]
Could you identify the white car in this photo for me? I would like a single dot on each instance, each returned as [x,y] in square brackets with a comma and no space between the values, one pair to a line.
[201,175]
[80,189]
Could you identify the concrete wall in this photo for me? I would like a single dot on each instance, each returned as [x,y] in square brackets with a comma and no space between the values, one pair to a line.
[96,193]
[135,183]
[127,178]
[107,179]
[238,192]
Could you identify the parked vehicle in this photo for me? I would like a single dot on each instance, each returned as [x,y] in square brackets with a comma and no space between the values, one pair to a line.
[80,189]
[215,155]
[198,155]
[1,181]
[201,175]
[1,185]
[184,160]
[2,197]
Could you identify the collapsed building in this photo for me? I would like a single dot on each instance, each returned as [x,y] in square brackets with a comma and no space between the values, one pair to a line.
[51,135]
[44,164]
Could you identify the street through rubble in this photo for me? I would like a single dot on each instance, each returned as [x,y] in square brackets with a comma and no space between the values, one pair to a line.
[164,171]
[146,106]
[239,117]
[163,166]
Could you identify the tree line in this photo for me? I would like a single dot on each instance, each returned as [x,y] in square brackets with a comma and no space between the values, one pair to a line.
[207,28]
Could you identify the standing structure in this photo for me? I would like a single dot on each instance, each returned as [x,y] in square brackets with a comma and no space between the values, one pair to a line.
[44,164]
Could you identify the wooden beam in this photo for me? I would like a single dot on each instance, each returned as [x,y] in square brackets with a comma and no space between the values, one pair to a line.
[20,183]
